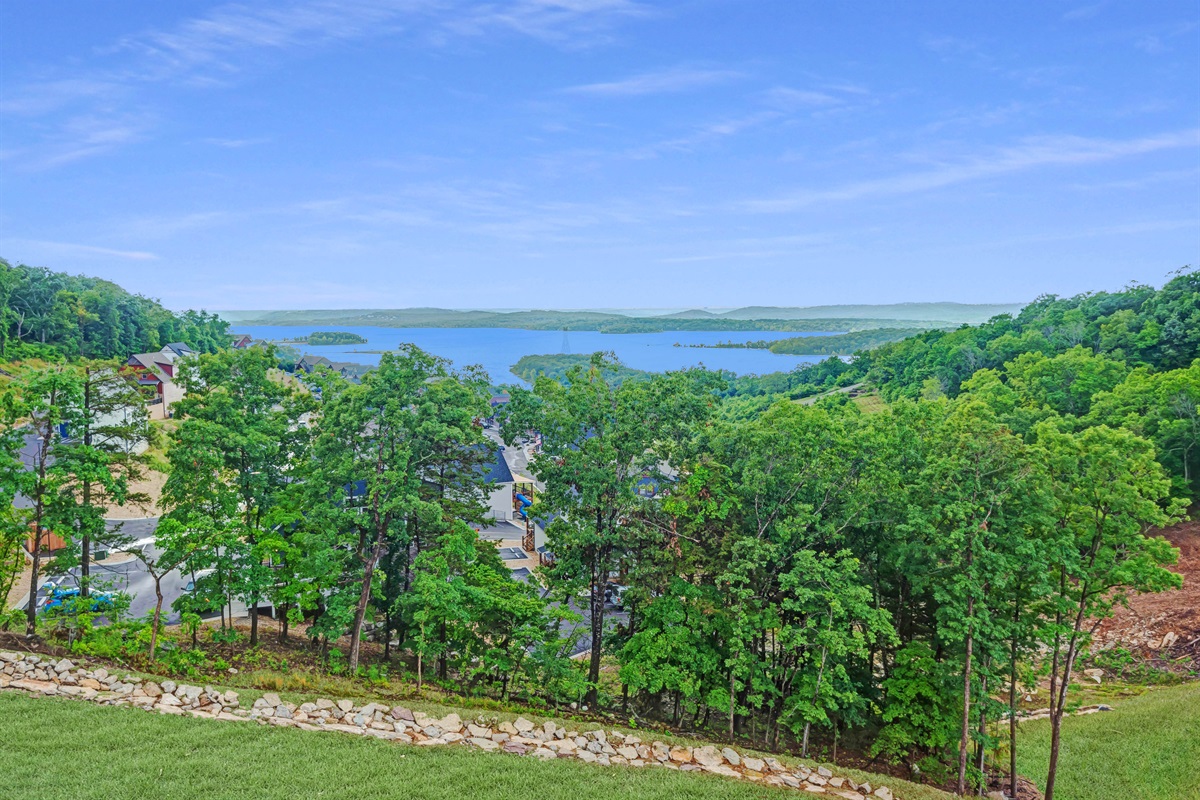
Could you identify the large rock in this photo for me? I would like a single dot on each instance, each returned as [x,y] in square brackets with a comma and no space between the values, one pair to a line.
[754,764]
[39,687]
[707,756]
[523,725]
[403,714]
[681,755]
[345,705]
[731,756]
[883,793]
[271,699]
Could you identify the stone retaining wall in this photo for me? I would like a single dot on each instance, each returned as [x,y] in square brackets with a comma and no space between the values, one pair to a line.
[37,675]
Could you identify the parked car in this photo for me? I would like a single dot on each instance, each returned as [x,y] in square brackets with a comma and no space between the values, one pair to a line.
[58,598]
[198,604]
[614,594]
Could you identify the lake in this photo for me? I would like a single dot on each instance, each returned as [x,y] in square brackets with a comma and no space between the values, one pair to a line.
[497,349]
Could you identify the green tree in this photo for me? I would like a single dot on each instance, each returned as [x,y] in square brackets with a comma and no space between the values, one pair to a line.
[602,444]
[106,432]
[373,443]
[49,398]
[1109,491]
[232,457]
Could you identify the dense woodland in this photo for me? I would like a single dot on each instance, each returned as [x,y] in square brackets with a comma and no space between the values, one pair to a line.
[838,344]
[797,574]
[47,314]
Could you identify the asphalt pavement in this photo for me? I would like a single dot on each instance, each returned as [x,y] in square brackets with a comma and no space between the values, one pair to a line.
[128,574]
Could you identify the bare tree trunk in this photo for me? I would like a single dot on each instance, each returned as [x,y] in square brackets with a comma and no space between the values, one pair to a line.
[965,735]
[85,556]
[596,602]
[254,623]
[157,614]
[420,661]
[980,750]
[363,598]
[39,507]
[732,701]
[1057,709]
[816,694]
[1012,711]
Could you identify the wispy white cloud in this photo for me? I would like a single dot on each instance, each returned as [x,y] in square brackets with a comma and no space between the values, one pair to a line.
[568,22]
[676,79]
[1084,12]
[71,248]
[791,99]
[236,144]
[218,45]
[42,97]
[77,138]
[1051,151]
[704,135]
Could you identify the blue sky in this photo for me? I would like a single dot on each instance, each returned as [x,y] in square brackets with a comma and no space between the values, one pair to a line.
[599,153]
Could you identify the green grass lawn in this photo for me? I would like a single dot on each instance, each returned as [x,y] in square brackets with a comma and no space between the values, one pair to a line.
[55,748]
[1147,749]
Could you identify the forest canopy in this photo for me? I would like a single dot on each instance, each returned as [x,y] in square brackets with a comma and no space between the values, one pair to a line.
[48,314]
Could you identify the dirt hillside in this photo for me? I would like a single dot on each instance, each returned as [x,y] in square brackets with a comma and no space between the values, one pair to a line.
[1165,627]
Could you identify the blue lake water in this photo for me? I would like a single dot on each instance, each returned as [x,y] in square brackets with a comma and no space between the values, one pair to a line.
[497,349]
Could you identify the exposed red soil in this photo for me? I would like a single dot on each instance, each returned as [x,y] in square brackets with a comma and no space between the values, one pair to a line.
[1145,627]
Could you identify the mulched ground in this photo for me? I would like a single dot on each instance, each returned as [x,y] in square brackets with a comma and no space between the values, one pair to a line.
[1150,618]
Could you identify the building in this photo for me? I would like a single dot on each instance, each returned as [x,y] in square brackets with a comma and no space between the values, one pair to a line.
[500,489]
[241,341]
[347,369]
[157,371]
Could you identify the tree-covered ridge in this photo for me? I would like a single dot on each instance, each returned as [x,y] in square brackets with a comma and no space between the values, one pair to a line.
[1140,326]
[838,344]
[562,320]
[52,314]
[321,338]
[557,365]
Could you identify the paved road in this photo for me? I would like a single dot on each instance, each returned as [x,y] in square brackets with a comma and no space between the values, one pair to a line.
[28,456]
[129,575]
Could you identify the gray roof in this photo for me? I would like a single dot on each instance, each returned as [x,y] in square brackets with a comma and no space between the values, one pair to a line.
[498,471]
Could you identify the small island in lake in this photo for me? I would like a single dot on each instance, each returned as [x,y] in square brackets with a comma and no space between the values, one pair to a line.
[319,338]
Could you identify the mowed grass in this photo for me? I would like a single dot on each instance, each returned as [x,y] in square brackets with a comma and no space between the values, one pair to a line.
[1147,749]
[56,748]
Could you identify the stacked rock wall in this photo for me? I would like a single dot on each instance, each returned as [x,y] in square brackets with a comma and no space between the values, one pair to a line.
[37,675]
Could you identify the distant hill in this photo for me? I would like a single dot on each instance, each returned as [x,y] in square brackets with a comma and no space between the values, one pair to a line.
[947,312]
[763,318]
[836,317]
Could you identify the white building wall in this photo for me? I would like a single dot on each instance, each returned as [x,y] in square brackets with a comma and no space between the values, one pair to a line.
[500,502]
